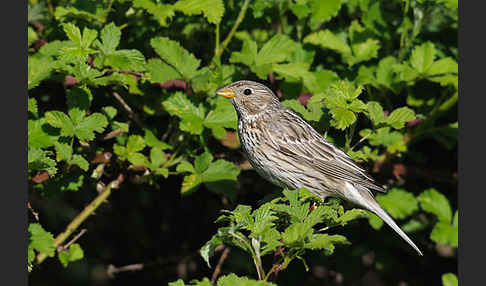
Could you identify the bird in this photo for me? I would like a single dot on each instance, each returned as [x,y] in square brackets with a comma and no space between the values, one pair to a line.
[284,149]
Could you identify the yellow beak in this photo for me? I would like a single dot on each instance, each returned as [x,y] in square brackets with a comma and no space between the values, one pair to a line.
[226,92]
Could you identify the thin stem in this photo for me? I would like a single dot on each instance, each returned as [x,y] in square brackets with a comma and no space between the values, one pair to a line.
[78,220]
[238,21]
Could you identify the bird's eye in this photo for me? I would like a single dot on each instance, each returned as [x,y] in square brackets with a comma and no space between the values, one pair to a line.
[247,91]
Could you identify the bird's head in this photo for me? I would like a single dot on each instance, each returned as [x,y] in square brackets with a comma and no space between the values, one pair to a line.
[249,98]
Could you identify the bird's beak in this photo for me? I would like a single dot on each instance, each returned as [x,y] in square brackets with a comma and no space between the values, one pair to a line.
[226,92]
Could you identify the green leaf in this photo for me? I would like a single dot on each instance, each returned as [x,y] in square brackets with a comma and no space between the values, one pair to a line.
[75,252]
[327,39]
[443,66]
[86,128]
[132,60]
[191,116]
[38,69]
[73,33]
[202,162]
[135,143]
[400,116]
[222,116]
[176,56]
[247,55]
[393,141]
[38,160]
[436,203]
[110,38]
[275,50]
[449,279]
[161,72]
[233,280]
[445,233]
[153,141]
[41,240]
[220,170]
[375,221]
[376,113]
[423,57]
[207,251]
[326,242]
[398,203]
[323,11]
[40,134]
[385,72]
[213,10]
[60,120]
[185,166]
[32,107]
[363,51]
[190,183]
[342,118]
[79,161]
[295,234]
[161,12]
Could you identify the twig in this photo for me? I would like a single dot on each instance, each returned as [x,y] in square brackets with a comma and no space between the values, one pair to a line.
[36,214]
[238,21]
[217,270]
[131,114]
[87,211]
[112,269]
[67,245]
[113,134]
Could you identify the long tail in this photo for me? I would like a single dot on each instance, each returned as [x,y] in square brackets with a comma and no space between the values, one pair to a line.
[366,199]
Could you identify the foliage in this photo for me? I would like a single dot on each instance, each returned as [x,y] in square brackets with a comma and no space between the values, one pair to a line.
[121,94]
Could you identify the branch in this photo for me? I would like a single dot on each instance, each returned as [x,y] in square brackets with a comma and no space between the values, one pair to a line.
[131,114]
[112,269]
[238,21]
[217,270]
[88,210]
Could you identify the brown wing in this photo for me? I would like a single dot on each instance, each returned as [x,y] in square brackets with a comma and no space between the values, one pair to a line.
[297,139]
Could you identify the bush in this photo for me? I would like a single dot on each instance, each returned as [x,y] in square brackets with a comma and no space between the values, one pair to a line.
[132,156]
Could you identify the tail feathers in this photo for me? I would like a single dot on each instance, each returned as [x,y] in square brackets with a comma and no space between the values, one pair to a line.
[386,218]
[365,198]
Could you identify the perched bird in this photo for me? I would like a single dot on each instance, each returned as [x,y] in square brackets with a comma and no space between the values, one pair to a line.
[288,152]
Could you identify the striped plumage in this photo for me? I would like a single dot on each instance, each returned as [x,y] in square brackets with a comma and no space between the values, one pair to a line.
[288,152]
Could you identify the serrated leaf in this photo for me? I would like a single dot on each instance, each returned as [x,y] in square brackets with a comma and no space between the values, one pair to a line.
[342,118]
[233,280]
[135,143]
[222,116]
[160,72]
[202,162]
[190,183]
[212,9]
[109,111]
[60,120]
[392,140]
[110,38]
[375,221]
[152,141]
[38,69]
[329,40]
[449,279]
[86,128]
[161,12]
[275,50]
[185,166]
[422,57]
[363,51]
[40,134]
[137,159]
[32,106]
[436,203]
[325,242]
[41,240]
[192,117]
[247,55]
[79,161]
[38,160]
[132,60]
[376,113]
[400,116]
[445,233]
[443,66]
[221,170]
[173,54]
[75,252]
[385,72]
[323,11]
[398,203]
[73,33]
[295,234]
[207,251]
